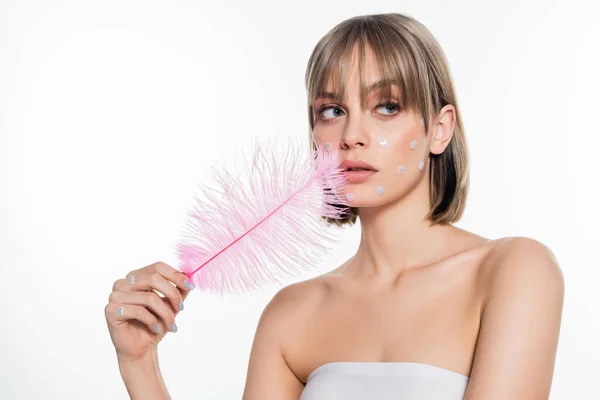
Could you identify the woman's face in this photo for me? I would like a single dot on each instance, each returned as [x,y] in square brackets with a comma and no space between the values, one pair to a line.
[384,135]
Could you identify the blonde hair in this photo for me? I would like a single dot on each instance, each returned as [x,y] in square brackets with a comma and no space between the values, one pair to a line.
[407,54]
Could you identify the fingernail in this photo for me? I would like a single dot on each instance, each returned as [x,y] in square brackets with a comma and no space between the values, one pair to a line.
[174,327]
[189,285]
[180,305]
[157,329]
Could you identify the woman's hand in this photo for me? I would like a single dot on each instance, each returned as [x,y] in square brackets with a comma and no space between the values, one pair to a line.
[137,316]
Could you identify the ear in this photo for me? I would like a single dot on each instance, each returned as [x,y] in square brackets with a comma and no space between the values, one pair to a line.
[442,129]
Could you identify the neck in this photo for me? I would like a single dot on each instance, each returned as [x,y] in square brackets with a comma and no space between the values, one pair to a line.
[396,237]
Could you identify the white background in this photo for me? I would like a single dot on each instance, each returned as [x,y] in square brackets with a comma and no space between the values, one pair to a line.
[110,111]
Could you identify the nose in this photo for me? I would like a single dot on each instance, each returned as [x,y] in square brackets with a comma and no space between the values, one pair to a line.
[355,133]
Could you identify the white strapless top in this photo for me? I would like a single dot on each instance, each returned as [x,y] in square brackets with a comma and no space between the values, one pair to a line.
[361,380]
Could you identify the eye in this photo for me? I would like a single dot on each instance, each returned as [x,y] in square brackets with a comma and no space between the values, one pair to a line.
[334,111]
[328,112]
[390,106]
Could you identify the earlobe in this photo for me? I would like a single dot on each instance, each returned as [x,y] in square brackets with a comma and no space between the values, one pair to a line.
[439,141]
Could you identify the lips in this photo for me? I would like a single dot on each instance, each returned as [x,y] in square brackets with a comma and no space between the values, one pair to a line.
[358,176]
[357,165]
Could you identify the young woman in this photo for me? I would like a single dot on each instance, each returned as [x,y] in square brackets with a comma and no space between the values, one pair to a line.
[423,310]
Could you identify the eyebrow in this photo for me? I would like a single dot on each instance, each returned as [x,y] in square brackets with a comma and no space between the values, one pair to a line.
[377,85]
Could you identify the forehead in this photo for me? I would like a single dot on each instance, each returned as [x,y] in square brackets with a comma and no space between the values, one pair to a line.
[363,72]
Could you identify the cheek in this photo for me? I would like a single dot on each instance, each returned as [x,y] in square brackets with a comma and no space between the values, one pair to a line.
[323,135]
[319,134]
[403,155]
[403,150]
[325,138]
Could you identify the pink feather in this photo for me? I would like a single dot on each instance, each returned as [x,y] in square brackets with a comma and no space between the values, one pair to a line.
[248,234]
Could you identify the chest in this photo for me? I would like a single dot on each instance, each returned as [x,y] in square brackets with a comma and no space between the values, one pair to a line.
[430,318]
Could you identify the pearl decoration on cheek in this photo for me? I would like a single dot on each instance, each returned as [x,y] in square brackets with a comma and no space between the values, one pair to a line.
[413,144]
[380,190]
[422,122]
[350,196]
[421,165]
[327,146]
[383,143]
[401,169]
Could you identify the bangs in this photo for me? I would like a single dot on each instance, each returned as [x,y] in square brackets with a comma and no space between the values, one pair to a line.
[395,64]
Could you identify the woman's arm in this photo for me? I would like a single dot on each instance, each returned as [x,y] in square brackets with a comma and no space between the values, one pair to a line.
[520,324]
[269,376]
[143,378]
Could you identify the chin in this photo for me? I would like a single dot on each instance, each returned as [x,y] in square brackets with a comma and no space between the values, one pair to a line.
[363,197]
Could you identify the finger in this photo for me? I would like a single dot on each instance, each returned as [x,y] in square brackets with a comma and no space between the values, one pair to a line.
[157,278]
[177,277]
[150,300]
[189,286]
[181,281]
[116,313]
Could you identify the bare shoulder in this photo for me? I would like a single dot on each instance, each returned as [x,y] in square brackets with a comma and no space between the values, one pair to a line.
[300,294]
[520,261]
[295,302]
[269,374]
[520,322]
